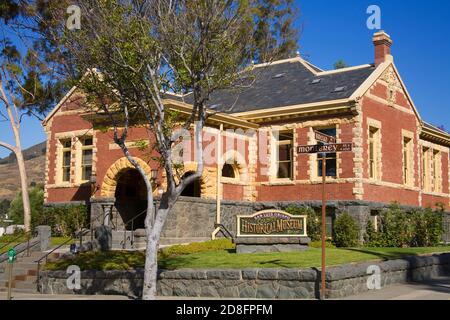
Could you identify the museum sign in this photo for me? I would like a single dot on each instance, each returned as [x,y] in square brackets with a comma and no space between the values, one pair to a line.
[271,223]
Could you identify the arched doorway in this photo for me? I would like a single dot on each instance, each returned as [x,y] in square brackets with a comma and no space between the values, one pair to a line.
[131,198]
[193,189]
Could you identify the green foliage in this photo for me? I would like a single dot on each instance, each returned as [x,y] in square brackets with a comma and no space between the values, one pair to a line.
[340,64]
[399,228]
[313,221]
[428,226]
[275,36]
[36,195]
[4,208]
[65,220]
[345,231]
[109,260]
[318,244]
[195,247]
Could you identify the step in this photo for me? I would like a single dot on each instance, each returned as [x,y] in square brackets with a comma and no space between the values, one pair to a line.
[17,290]
[27,278]
[32,286]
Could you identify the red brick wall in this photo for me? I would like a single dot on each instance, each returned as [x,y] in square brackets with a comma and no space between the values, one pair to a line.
[388,195]
[233,192]
[392,121]
[347,163]
[342,191]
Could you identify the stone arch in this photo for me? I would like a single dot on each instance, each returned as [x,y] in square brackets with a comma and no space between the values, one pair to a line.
[240,163]
[207,180]
[109,184]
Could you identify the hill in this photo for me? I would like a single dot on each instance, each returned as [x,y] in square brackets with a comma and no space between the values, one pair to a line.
[9,173]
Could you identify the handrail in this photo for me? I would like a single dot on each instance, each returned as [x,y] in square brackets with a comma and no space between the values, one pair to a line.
[124,241]
[81,233]
[27,233]
[221,226]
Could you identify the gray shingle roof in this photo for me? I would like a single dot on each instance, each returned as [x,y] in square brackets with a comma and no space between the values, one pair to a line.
[430,126]
[285,84]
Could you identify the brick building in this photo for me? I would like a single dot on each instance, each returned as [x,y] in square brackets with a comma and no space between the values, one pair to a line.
[396,156]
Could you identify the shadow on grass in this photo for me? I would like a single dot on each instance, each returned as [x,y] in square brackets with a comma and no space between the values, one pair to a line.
[393,253]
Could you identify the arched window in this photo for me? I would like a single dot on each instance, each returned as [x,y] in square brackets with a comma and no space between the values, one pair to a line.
[228,171]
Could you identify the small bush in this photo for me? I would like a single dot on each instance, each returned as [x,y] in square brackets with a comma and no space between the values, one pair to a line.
[65,220]
[313,221]
[345,231]
[399,228]
[36,195]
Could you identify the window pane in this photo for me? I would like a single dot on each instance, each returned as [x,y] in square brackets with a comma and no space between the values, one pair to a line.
[330,165]
[87,157]
[66,159]
[285,136]
[329,131]
[284,170]
[66,174]
[284,152]
[87,142]
[66,143]
[87,172]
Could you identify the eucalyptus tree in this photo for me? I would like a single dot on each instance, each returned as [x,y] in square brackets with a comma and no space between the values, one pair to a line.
[26,89]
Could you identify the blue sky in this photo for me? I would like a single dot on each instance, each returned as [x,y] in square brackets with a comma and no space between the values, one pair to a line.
[335,30]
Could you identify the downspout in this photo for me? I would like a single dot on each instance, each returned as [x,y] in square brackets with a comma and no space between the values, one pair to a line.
[218,183]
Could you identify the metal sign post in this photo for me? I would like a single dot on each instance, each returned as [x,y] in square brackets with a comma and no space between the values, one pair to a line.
[328,145]
[11,258]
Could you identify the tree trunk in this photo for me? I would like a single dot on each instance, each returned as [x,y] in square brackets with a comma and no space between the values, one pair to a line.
[15,126]
[24,186]
[151,256]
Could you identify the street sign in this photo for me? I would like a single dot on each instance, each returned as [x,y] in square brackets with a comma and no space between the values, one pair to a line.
[324,138]
[328,148]
[11,255]
[328,145]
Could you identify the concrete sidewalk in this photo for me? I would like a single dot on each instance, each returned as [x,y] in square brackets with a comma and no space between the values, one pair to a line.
[30,296]
[437,289]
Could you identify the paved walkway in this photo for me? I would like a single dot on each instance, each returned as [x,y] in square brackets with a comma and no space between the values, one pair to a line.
[37,296]
[438,289]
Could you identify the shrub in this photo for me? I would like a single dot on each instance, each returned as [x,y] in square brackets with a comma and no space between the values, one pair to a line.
[65,220]
[36,195]
[398,228]
[428,228]
[345,231]
[313,221]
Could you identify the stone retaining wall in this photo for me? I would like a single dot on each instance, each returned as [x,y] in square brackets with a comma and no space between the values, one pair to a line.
[342,281]
[198,221]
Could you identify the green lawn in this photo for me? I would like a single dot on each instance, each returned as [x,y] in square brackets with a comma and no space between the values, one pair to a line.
[306,259]
[55,242]
[227,258]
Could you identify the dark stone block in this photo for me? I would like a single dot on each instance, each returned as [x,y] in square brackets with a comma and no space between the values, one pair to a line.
[224,274]
[268,274]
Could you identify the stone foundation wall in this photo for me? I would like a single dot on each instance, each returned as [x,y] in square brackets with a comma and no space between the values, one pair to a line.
[193,219]
[342,281]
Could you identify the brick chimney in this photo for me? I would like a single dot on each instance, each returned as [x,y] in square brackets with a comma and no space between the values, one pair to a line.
[382,42]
